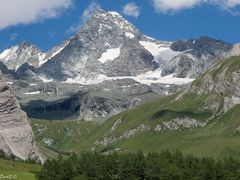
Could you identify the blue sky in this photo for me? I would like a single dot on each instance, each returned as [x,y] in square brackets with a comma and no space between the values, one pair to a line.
[49,24]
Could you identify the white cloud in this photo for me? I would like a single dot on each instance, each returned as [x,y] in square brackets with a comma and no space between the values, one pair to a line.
[131,9]
[173,5]
[231,3]
[15,12]
[166,6]
[87,13]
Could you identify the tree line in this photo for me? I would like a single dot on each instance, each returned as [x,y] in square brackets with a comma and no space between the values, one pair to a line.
[138,166]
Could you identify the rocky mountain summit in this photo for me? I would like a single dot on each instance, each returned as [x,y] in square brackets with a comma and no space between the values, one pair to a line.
[16,136]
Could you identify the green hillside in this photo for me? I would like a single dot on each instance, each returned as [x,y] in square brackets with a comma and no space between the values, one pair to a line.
[18,170]
[181,121]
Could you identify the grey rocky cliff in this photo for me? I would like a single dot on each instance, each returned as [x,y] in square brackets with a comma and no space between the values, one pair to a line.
[16,136]
[197,56]
[180,123]
[220,84]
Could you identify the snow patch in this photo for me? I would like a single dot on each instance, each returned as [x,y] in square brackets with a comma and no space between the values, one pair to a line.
[150,38]
[8,53]
[100,29]
[107,44]
[106,89]
[130,35]
[32,93]
[155,77]
[45,80]
[110,54]
[114,14]
[159,51]
[147,78]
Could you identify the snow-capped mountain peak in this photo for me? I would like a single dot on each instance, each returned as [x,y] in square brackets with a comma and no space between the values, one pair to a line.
[109,46]
[104,21]
[17,55]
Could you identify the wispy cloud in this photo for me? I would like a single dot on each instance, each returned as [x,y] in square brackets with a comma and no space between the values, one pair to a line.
[13,36]
[131,9]
[87,13]
[171,6]
[14,12]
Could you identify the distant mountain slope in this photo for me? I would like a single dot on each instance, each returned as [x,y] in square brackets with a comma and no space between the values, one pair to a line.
[198,56]
[17,55]
[203,120]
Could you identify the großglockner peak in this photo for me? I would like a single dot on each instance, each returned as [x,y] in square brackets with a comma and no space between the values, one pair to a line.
[107,45]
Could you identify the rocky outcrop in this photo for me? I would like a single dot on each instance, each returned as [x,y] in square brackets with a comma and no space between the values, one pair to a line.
[111,138]
[16,136]
[180,123]
[220,85]
[97,108]
[134,103]
[181,66]
[236,50]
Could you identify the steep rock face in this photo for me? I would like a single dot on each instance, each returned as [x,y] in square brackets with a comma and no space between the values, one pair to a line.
[220,84]
[16,136]
[198,55]
[181,66]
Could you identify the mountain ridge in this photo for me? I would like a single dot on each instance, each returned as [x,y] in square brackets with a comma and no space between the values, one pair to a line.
[109,50]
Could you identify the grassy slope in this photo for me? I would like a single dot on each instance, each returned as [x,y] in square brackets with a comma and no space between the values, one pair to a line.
[217,139]
[23,171]
[65,133]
